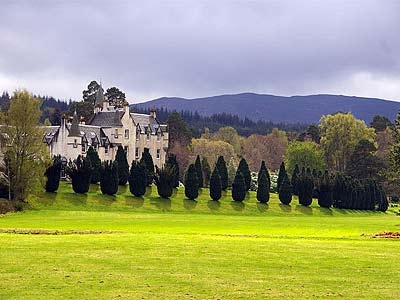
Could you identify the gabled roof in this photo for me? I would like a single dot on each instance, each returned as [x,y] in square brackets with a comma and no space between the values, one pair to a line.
[107,119]
[49,133]
[145,121]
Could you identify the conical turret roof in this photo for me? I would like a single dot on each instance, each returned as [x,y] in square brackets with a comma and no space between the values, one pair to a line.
[74,130]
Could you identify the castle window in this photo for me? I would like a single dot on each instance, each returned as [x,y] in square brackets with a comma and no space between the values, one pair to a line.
[137,152]
[116,133]
[75,143]
[137,133]
[83,147]
[158,155]
[127,133]
[158,135]
[106,149]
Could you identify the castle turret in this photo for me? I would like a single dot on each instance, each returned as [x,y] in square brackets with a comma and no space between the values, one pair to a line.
[74,130]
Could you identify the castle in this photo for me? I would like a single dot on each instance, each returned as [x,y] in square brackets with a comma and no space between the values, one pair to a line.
[110,127]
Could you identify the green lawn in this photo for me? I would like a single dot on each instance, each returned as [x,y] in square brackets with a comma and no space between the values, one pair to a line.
[101,247]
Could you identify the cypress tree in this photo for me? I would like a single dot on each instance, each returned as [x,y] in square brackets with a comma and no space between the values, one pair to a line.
[53,175]
[199,171]
[123,166]
[264,167]
[281,174]
[223,172]
[325,191]
[285,191]
[164,180]
[206,171]
[79,171]
[294,181]
[191,183]
[173,163]
[148,162]
[137,179]
[215,185]
[109,177]
[383,201]
[95,162]
[238,187]
[244,169]
[306,186]
[263,187]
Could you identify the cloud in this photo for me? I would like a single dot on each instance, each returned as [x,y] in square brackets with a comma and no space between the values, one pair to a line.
[197,48]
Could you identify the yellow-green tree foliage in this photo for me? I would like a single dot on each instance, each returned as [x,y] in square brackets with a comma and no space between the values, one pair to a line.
[213,149]
[305,154]
[340,133]
[229,134]
[25,149]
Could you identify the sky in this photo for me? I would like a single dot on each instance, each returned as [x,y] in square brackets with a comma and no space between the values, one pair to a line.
[191,49]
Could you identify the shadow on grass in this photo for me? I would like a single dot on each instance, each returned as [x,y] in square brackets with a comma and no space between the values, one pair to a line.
[262,207]
[304,209]
[325,211]
[149,190]
[77,199]
[214,205]
[50,198]
[135,202]
[285,208]
[161,203]
[106,200]
[122,189]
[238,206]
[94,188]
[189,204]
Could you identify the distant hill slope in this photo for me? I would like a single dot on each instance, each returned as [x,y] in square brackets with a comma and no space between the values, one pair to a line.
[303,109]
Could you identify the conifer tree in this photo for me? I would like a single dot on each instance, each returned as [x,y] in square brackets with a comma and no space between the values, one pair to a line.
[164,180]
[238,187]
[173,163]
[294,180]
[285,191]
[263,187]
[137,179]
[325,191]
[206,171]
[199,171]
[79,171]
[215,185]
[281,174]
[53,175]
[148,162]
[109,177]
[123,165]
[305,188]
[264,167]
[223,172]
[95,162]
[244,169]
[191,183]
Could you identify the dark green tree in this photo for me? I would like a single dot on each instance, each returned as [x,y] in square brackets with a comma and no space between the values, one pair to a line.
[294,180]
[95,162]
[215,185]
[199,171]
[137,179]
[89,95]
[179,133]
[148,162]
[380,123]
[123,165]
[79,171]
[264,167]
[174,165]
[115,96]
[305,188]
[325,191]
[206,171]
[223,172]
[244,169]
[53,175]
[191,183]
[83,109]
[263,187]
[238,187]
[285,191]
[109,177]
[281,174]
[164,180]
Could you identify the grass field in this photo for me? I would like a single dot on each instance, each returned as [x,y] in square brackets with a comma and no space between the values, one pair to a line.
[92,246]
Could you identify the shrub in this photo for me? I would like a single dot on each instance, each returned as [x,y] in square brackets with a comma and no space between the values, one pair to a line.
[199,171]
[305,189]
[281,175]
[223,172]
[148,162]
[244,169]
[53,175]
[95,162]
[109,178]
[79,171]
[325,191]
[191,182]
[215,185]
[263,187]
[173,163]
[285,191]
[164,181]
[238,187]
[137,179]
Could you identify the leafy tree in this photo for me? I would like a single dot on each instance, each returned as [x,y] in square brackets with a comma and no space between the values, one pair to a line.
[115,96]
[215,185]
[229,135]
[191,183]
[263,187]
[325,191]
[26,152]
[83,109]
[206,170]
[305,153]
[137,179]
[285,191]
[89,95]
[53,175]
[95,162]
[238,187]
[148,162]
[244,169]
[123,165]
[199,171]
[281,174]
[380,123]
[223,172]
[174,165]
[109,177]
[340,134]
[164,180]
[79,171]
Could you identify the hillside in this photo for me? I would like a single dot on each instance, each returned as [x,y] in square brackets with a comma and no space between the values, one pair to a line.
[301,109]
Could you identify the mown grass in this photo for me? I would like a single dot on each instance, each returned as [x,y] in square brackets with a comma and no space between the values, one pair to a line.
[180,249]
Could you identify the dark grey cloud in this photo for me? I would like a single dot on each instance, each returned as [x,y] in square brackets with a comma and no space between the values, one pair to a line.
[198,48]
